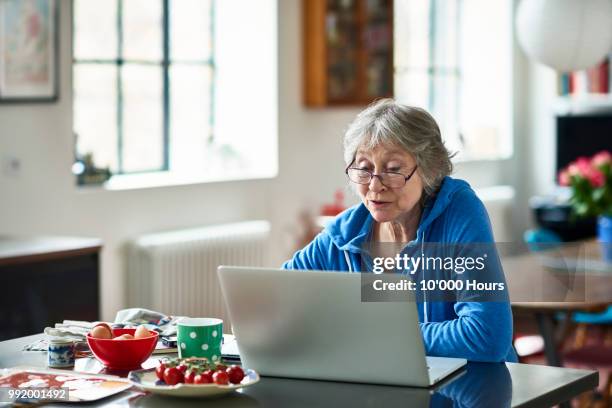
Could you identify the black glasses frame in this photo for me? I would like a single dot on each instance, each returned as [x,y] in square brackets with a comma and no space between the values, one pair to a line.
[379,176]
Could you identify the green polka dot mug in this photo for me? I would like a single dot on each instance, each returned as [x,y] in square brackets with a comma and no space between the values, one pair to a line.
[200,337]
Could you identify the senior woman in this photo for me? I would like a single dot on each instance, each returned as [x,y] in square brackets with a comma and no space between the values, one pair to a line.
[400,167]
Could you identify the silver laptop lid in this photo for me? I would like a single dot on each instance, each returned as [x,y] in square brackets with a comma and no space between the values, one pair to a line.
[312,324]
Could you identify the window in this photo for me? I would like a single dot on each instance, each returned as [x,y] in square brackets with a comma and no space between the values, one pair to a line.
[453,57]
[157,85]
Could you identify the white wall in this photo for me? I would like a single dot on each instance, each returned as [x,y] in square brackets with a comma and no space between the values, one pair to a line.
[43,198]
[532,170]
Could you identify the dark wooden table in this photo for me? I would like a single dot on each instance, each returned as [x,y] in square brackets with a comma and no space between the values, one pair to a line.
[477,385]
[46,280]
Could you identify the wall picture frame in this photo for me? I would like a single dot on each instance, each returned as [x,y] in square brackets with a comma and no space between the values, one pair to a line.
[29,51]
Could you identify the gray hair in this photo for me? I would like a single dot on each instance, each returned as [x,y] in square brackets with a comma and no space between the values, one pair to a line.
[413,129]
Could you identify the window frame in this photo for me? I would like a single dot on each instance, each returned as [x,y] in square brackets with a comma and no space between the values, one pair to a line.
[165,64]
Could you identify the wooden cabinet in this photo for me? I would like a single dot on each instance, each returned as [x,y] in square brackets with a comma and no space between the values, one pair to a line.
[348,51]
[47,280]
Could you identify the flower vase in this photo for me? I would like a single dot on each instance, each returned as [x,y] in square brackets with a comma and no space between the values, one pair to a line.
[604,235]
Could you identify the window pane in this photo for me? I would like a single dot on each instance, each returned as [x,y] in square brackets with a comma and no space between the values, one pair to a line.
[486,71]
[446,36]
[95,112]
[445,109]
[190,114]
[142,118]
[411,37]
[142,30]
[95,29]
[467,68]
[412,87]
[190,29]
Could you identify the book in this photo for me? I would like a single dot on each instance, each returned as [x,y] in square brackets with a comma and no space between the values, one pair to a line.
[229,347]
[594,80]
[164,348]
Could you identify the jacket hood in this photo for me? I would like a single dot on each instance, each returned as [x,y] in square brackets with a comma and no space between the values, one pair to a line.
[350,228]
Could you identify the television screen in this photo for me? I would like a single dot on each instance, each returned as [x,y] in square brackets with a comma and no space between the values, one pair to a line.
[582,135]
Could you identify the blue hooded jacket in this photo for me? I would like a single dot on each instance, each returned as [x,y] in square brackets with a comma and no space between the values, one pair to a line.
[477,331]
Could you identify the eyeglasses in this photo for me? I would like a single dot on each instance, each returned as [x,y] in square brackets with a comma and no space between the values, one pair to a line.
[388,179]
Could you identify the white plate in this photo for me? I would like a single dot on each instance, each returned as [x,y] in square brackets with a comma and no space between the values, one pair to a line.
[147,380]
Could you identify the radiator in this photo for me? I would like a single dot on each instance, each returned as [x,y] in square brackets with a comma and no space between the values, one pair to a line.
[176,272]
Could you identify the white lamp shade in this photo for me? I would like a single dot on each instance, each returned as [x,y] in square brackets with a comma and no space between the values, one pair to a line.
[566,35]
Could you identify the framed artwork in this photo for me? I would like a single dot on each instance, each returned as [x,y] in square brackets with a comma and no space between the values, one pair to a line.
[28,50]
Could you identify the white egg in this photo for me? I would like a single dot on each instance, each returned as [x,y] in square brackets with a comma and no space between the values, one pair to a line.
[141,332]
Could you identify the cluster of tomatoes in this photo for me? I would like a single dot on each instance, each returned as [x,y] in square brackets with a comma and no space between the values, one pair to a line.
[197,371]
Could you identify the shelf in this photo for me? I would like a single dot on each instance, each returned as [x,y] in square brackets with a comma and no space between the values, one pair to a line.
[584,104]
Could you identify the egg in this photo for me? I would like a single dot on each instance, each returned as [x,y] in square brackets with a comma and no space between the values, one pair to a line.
[141,332]
[103,324]
[124,337]
[101,332]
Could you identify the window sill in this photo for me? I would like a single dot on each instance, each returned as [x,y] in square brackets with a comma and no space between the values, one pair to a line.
[482,159]
[168,179]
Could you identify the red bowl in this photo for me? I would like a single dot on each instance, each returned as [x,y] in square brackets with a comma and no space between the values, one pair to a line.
[123,354]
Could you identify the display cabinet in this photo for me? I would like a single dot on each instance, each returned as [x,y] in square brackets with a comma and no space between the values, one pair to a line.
[348,51]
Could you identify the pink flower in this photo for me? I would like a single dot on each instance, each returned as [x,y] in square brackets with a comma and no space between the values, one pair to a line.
[590,183]
[584,166]
[573,170]
[596,178]
[564,177]
[602,158]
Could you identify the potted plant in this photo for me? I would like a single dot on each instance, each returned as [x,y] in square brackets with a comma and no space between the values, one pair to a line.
[590,181]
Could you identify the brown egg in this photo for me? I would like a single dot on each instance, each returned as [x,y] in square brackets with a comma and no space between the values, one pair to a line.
[101,332]
[103,324]
[141,332]
[124,337]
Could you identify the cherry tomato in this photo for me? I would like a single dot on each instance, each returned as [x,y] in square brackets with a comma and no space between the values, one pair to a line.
[182,368]
[204,378]
[220,378]
[235,374]
[173,376]
[190,376]
[159,371]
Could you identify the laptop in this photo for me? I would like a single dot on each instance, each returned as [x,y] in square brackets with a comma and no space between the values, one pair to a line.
[313,325]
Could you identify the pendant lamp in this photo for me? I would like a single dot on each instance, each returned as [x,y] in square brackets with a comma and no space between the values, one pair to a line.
[566,35]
